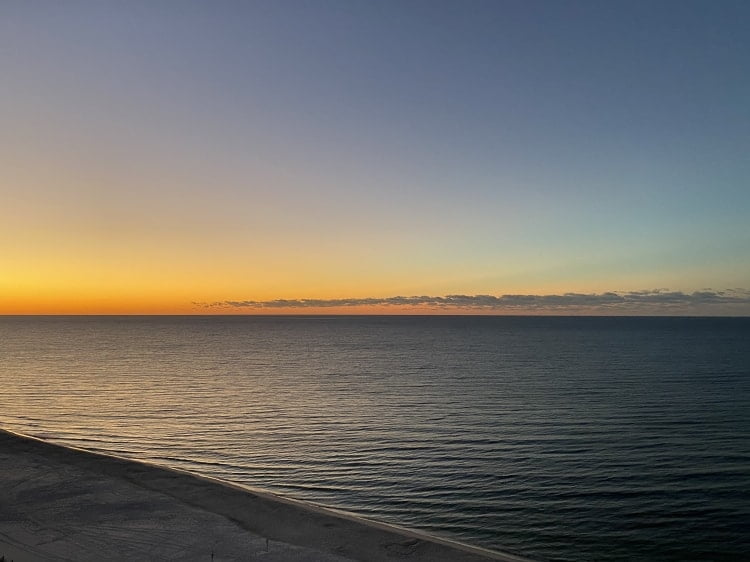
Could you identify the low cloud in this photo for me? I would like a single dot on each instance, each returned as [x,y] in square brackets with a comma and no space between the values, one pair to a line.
[653,300]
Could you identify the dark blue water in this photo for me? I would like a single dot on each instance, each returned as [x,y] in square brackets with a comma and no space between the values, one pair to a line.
[557,438]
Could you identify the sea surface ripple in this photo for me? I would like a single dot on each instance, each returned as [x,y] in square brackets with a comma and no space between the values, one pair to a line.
[556,438]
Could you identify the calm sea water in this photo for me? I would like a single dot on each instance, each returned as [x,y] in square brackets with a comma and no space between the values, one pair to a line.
[557,438]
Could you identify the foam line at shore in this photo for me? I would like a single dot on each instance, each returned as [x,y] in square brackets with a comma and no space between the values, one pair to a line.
[65,503]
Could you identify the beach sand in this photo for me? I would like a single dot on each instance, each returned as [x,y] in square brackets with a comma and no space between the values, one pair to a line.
[58,503]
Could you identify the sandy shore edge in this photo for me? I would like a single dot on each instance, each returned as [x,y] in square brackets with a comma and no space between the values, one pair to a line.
[304,530]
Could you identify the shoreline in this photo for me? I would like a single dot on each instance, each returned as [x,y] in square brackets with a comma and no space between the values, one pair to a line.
[65,503]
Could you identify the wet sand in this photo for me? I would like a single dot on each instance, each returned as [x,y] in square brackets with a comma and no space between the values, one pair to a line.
[58,503]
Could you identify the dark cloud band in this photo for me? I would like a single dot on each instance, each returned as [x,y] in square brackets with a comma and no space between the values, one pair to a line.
[660,298]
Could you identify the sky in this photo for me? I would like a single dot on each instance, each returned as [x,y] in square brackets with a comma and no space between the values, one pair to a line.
[524,157]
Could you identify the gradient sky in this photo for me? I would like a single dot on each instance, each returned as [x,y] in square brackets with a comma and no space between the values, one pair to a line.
[246,155]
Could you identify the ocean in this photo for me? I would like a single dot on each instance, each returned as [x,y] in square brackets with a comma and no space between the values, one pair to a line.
[557,438]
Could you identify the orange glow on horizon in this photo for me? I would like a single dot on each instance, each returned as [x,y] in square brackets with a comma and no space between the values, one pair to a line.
[113,306]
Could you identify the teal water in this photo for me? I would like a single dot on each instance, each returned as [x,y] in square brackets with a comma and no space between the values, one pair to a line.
[556,438]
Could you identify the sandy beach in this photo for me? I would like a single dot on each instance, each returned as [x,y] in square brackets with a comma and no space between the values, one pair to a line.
[58,503]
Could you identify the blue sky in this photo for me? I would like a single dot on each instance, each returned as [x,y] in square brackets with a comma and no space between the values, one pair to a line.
[253,151]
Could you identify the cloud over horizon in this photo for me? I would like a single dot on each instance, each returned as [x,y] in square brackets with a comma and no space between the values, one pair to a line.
[612,301]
